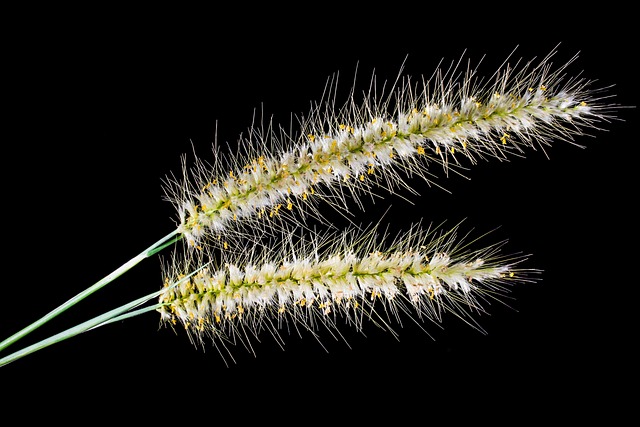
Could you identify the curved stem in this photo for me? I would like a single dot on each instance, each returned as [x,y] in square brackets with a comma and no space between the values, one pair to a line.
[167,240]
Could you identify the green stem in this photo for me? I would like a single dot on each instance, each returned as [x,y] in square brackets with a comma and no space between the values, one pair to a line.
[82,327]
[117,314]
[133,313]
[150,251]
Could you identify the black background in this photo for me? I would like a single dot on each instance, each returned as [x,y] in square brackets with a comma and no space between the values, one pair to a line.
[99,107]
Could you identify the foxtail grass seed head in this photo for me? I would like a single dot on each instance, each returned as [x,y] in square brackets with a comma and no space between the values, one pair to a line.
[320,281]
[339,154]
[261,268]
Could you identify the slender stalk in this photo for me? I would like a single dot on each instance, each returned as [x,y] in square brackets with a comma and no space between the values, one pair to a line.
[78,329]
[133,313]
[117,314]
[150,251]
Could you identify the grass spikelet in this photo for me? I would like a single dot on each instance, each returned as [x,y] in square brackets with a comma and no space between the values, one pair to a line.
[452,119]
[322,281]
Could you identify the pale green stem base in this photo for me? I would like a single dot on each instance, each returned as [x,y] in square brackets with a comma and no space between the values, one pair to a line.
[151,250]
[78,329]
[117,314]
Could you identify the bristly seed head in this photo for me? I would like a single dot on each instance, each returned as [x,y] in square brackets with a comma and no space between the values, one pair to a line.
[344,153]
[349,277]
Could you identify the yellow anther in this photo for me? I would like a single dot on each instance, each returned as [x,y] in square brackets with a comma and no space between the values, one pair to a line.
[453,150]
[311,137]
[583,104]
[438,150]
[543,87]
[225,245]
[289,205]
[361,177]
[341,126]
[346,178]
[420,149]
[512,274]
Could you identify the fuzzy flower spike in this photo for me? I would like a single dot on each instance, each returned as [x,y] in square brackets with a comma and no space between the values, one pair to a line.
[320,281]
[341,154]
